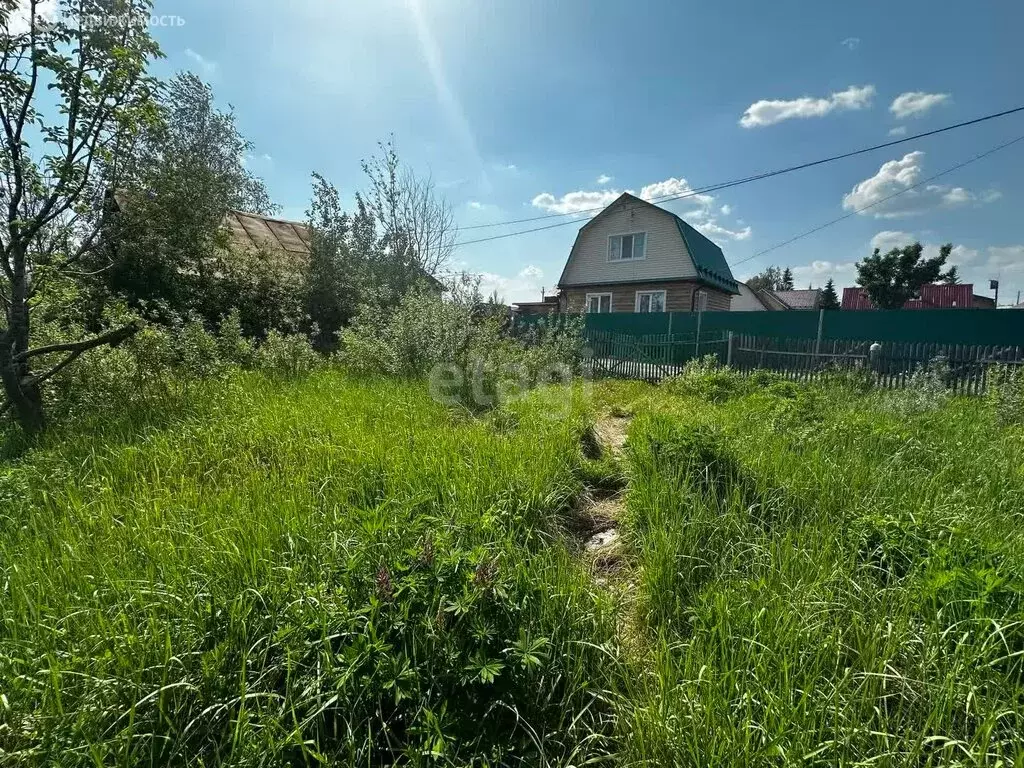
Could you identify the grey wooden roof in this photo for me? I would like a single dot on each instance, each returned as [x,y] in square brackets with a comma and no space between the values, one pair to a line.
[250,230]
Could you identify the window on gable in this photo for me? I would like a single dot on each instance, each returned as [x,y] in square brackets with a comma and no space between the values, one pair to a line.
[627,247]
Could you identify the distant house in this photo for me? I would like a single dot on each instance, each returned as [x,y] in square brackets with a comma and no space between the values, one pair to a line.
[282,244]
[637,257]
[760,300]
[932,297]
[806,299]
[285,241]
[549,305]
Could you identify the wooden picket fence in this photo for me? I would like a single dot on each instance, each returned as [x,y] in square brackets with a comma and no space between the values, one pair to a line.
[649,357]
[653,357]
[892,364]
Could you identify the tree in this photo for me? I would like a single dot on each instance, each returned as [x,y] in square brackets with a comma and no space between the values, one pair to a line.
[787,280]
[894,278]
[336,276]
[418,231]
[73,96]
[952,277]
[165,246]
[769,279]
[829,298]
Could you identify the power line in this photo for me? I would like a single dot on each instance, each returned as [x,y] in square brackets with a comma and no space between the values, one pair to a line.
[879,202]
[727,184]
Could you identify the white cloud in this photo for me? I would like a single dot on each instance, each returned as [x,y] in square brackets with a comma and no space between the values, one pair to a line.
[575,202]
[673,187]
[475,204]
[957,196]
[531,272]
[604,178]
[525,286]
[850,43]
[818,272]
[899,177]
[892,177]
[18,21]
[771,111]
[1009,258]
[714,231]
[206,66]
[899,130]
[916,103]
[698,209]
[886,240]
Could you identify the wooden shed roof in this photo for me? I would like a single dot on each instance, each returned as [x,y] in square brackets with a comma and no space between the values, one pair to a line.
[250,230]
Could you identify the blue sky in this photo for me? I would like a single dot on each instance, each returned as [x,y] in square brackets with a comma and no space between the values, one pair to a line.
[523,108]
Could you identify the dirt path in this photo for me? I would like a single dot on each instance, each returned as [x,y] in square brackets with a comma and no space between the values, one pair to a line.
[596,522]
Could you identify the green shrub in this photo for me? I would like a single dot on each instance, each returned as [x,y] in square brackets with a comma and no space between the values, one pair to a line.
[290,355]
[708,379]
[470,357]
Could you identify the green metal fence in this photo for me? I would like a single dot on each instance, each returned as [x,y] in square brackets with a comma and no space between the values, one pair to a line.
[934,326]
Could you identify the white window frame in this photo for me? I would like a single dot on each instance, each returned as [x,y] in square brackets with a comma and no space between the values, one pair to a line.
[664,299]
[598,296]
[700,300]
[632,258]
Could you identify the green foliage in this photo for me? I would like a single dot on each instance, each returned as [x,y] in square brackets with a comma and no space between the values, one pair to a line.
[769,279]
[843,597]
[157,372]
[324,571]
[896,277]
[1005,393]
[72,95]
[927,390]
[470,357]
[346,571]
[829,297]
[165,252]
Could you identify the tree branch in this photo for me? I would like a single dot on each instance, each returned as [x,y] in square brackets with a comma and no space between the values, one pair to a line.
[113,338]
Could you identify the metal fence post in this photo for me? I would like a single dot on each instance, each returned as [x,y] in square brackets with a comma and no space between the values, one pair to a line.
[817,343]
[728,354]
[696,347]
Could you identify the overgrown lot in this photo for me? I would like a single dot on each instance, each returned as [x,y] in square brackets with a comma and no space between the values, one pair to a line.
[317,572]
[342,571]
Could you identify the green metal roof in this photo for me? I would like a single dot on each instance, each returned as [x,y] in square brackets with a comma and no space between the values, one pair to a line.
[708,258]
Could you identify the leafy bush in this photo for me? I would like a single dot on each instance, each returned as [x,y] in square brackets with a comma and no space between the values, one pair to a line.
[470,357]
[708,379]
[155,373]
[289,355]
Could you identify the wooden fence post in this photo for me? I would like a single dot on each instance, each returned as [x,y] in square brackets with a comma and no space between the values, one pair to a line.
[728,354]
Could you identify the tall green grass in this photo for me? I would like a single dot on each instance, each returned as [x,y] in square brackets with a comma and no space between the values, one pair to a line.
[826,580]
[320,572]
[338,571]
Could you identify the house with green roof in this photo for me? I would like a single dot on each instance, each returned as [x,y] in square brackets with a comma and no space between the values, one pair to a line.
[637,257]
